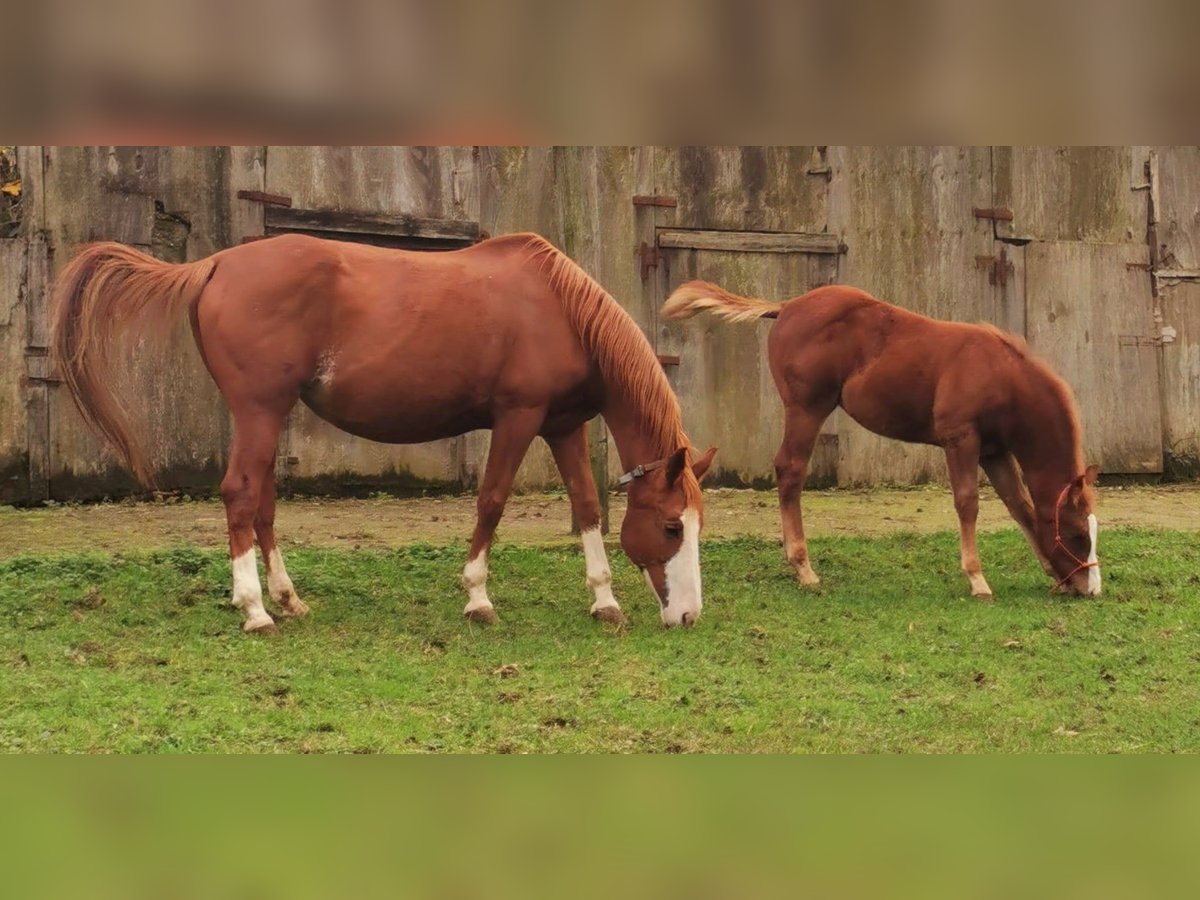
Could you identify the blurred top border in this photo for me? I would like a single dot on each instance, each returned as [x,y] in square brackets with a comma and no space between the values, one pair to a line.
[681,71]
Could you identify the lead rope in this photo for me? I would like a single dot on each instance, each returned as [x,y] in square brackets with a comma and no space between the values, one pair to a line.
[1080,564]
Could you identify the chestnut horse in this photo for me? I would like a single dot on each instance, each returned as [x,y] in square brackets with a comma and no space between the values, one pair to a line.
[973,390]
[403,347]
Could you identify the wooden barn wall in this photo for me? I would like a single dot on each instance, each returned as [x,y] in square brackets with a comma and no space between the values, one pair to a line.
[905,216]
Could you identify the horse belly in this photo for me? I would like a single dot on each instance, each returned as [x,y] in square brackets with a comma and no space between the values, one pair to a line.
[891,406]
[395,415]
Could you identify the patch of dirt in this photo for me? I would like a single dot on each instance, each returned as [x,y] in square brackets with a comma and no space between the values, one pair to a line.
[540,518]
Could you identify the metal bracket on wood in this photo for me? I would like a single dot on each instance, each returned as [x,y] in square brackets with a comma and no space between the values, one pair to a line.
[650,257]
[996,215]
[825,172]
[654,200]
[666,359]
[1140,340]
[1144,266]
[999,267]
[264,197]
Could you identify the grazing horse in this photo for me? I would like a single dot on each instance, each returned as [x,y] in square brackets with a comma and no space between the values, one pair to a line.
[403,347]
[973,390]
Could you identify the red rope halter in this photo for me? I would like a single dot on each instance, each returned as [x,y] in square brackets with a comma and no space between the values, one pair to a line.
[1080,564]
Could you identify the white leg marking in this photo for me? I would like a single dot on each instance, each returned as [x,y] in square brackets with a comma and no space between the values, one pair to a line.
[683,575]
[474,579]
[1094,571]
[599,576]
[247,592]
[280,587]
[279,584]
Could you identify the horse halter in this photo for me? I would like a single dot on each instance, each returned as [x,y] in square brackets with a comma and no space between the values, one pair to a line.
[639,471]
[1080,564]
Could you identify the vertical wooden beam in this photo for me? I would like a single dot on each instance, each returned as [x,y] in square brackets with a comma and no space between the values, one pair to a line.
[35,286]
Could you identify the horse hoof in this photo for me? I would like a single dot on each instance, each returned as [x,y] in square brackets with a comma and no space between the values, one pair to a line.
[610,614]
[983,596]
[266,629]
[808,578]
[484,615]
[293,606]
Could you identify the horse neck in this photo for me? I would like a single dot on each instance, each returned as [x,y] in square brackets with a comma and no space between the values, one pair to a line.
[1050,456]
[637,439]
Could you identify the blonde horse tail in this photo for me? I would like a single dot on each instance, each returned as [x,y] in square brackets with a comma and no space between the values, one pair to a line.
[695,296]
[109,291]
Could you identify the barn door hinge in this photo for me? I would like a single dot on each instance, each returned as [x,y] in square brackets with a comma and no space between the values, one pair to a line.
[996,215]
[1144,340]
[264,197]
[999,266]
[38,367]
[654,200]
[650,257]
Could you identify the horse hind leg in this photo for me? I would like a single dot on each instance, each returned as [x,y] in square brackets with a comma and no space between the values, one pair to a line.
[251,459]
[801,428]
[279,583]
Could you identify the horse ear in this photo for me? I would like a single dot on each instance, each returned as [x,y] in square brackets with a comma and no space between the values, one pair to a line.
[1091,474]
[675,465]
[700,466]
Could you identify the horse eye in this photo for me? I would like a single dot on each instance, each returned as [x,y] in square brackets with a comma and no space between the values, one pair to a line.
[674,529]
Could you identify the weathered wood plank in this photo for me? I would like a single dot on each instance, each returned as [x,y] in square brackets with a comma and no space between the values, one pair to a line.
[369,223]
[750,241]
[1069,193]
[1091,317]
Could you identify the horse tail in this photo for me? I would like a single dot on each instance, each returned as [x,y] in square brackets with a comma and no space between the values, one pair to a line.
[110,290]
[689,299]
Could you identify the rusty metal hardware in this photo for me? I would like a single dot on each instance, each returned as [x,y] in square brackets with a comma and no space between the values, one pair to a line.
[666,359]
[1144,266]
[654,200]
[264,197]
[996,215]
[999,266]
[650,256]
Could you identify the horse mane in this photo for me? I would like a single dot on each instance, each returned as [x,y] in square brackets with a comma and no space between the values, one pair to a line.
[609,333]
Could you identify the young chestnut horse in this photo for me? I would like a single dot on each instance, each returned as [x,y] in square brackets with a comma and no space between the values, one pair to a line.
[404,347]
[972,390]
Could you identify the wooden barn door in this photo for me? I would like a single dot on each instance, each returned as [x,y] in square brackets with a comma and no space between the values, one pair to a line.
[719,370]
[1073,228]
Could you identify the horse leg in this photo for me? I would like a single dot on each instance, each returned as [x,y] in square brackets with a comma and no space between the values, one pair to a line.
[279,583]
[571,456]
[801,427]
[962,459]
[1006,479]
[511,435]
[251,458]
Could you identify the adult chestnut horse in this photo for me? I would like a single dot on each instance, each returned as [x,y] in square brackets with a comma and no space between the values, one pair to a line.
[403,347]
[973,390]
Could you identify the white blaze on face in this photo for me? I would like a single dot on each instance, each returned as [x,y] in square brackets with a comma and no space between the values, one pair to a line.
[683,575]
[1094,571]
[247,592]
[474,579]
[599,576]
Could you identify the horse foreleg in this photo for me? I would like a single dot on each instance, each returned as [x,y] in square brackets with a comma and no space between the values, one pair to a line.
[962,459]
[571,456]
[251,458]
[511,435]
[801,428]
[1006,479]
[279,583]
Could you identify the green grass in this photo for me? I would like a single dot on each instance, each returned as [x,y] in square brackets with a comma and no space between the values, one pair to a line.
[142,652]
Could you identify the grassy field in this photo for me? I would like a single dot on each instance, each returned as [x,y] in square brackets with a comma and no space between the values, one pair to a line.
[140,651]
